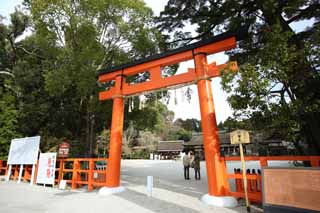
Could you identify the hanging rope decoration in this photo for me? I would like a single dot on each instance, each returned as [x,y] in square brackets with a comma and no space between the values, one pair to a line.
[182,95]
[156,101]
[132,104]
[175,97]
[188,94]
[129,105]
[162,96]
[140,107]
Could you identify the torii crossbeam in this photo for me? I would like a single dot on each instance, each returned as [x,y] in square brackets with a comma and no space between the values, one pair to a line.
[200,75]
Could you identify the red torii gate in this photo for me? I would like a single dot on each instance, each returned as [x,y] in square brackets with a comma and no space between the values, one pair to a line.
[216,168]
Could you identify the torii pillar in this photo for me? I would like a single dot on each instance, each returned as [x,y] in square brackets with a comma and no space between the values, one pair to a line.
[216,168]
[114,160]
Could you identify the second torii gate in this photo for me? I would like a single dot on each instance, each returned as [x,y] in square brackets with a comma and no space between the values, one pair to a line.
[200,75]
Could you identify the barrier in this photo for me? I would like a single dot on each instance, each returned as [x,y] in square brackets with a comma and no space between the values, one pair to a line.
[82,171]
[254,176]
[3,167]
[77,172]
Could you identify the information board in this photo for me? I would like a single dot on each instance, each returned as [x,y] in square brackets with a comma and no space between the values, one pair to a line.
[47,168]
[239,136]
[24,150]
[292,188]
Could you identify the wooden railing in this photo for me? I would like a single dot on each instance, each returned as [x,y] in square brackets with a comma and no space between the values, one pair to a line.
[3,167]
[254,176]
[77,172]
[82,171]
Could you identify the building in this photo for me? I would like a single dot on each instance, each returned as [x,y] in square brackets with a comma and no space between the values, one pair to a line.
[168,150]
[260,145]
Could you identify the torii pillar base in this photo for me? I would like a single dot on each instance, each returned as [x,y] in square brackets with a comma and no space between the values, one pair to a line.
[220,201]
[111,190]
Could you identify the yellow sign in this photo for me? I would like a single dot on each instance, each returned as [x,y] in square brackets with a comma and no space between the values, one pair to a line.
[239,136]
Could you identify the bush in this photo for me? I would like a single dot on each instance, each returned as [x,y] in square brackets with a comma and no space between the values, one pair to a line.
[140,154]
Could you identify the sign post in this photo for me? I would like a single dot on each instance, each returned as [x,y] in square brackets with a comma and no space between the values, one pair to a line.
[63,150]
[240,137]
[47,168]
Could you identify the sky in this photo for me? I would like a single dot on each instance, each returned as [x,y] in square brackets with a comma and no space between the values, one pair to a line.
[7,7]
[183,109]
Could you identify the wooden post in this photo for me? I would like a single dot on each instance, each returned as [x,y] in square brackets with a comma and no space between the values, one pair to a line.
[263,162]
[244,176]
[314,161]
[26,175]
[76,166]
[16,172]
[60,171]
[216,168]
[34,177]
[90,175]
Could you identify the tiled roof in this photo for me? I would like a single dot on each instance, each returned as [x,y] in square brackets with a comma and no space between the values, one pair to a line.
[170,145]
[197,140]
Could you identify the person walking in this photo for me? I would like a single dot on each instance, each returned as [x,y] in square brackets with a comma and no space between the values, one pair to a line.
[186,165]
[196,166]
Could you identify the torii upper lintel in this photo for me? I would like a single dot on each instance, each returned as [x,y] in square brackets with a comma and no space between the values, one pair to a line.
[153,65]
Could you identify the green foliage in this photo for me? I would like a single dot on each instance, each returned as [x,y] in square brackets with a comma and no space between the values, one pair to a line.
[191,125]
[158,117]
[276,87]
[138,154]
[8,122]
[183,134]
[54,89]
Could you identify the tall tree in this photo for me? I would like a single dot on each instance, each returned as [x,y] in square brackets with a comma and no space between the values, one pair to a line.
[76,38]
[279,75]
[10,51]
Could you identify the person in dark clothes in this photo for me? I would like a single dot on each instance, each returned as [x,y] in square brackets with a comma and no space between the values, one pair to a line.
[196,166]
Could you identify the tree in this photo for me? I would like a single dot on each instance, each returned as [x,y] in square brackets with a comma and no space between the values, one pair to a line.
[74,40]
[9,93]
[279,74]
[192,125]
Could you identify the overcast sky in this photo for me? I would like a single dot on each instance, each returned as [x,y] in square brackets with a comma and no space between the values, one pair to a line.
[183,109]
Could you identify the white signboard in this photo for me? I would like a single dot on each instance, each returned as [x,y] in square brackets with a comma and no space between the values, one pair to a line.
[47,168]
[24,150]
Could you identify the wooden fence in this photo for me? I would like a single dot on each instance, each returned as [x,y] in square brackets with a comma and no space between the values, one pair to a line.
[254,176]
[91,173]
[78,172]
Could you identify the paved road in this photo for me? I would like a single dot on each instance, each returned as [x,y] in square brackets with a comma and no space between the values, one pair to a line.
[171,193]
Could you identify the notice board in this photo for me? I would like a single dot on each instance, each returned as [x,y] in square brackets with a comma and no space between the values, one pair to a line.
[24,150]
[47,168]
[291,188]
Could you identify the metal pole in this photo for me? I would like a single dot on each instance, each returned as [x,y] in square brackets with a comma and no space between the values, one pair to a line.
[20,173]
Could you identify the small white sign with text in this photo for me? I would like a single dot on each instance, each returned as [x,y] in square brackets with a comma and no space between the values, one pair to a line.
[47,168]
